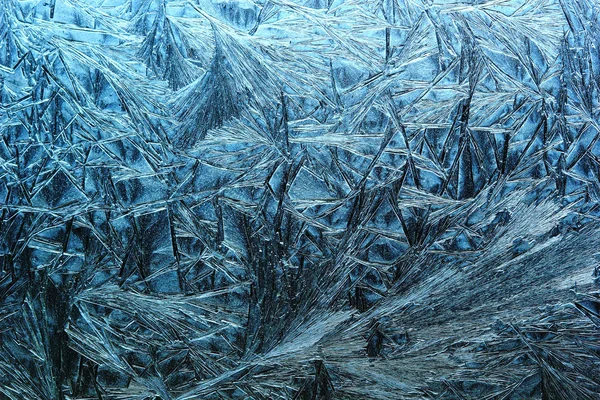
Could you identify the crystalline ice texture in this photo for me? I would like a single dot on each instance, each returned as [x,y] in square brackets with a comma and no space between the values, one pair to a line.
[311,199]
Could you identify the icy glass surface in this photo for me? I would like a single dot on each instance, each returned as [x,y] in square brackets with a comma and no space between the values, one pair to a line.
[299,199]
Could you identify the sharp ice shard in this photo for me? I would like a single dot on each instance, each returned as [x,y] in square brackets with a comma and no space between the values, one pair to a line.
[299,199]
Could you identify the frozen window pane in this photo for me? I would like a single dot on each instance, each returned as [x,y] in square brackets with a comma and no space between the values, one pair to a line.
[299,199]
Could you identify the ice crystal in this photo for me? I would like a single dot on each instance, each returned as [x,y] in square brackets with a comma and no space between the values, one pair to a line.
[299,199]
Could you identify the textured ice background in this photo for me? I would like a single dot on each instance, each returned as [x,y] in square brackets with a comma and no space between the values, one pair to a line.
[312,199]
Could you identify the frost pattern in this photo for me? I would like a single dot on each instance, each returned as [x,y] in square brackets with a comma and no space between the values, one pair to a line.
[311,199]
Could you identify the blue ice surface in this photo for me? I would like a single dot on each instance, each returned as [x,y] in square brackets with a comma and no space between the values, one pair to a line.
[299,199]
